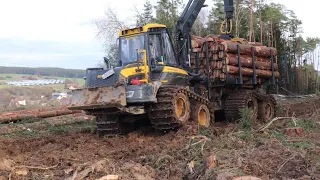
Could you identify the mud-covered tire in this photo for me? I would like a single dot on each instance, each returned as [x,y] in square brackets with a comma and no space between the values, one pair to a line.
[266,111]
[252,104]
[181,107]
[201,114]
[240,100]
[172,109]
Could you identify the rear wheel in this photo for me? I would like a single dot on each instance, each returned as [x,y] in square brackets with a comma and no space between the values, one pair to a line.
[252,105]
[266,111]
[240,100]
[201,114]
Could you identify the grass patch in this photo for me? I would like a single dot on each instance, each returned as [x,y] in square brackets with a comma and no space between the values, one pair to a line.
[246,136]
[238,172]
[302,145]
[19,122]
[204,131]
[280,136]
[307,125]
[88,126]
[28,133]
[27,120]
[279,110]
[61,129]
[23,133]
[246,120]
[297,145]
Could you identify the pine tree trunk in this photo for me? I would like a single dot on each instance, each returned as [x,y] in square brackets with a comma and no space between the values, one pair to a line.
[260,26]
[271,34]
[251,35]
[237,17]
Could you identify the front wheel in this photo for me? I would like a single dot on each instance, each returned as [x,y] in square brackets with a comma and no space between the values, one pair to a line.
[181,107]
[172,109]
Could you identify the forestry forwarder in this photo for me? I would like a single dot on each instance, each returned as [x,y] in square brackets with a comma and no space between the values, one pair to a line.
[152,81]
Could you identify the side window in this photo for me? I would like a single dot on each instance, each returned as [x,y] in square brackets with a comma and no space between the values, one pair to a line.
[156,54]
[168,50]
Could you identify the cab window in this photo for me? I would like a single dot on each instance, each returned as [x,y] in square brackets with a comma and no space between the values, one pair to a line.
[129,47]
[160,49]
[155,50]
[170,57]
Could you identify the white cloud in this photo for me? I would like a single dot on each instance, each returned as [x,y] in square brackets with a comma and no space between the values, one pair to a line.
[70,22]
[55,20]
[48,20]
[63,20]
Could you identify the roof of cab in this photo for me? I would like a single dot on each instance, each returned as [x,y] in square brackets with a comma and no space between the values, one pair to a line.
[141,29]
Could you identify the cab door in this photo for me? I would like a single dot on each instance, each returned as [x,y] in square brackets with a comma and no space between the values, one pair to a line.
[162,59]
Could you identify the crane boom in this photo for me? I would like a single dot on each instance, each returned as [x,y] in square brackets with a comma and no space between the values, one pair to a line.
[183,28]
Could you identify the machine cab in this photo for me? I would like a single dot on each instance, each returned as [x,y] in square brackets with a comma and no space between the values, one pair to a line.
[149,49]
[153,38]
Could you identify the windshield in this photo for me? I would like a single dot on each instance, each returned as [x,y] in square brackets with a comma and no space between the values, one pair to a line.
[129,46]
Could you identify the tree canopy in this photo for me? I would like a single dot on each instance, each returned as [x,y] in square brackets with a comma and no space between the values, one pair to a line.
[271,24]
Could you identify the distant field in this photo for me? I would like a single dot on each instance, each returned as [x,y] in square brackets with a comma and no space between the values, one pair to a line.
[19,77]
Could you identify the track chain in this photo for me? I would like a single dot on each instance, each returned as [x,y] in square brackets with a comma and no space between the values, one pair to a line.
[108,125]
[237,101]
[161,114]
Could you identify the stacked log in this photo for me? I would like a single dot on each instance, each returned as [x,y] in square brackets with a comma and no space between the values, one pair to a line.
[223,59]
[15,116]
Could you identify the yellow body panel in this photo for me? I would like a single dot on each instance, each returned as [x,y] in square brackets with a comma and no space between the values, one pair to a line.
[169,69]
[130,71]
[139,30]
[126,72]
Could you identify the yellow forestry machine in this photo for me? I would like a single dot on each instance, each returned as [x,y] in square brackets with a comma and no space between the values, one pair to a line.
[154,80]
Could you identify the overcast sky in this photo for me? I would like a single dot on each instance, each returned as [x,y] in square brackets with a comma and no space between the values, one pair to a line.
[61,33]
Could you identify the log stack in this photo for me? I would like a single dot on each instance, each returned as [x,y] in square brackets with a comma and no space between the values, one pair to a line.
[223,59]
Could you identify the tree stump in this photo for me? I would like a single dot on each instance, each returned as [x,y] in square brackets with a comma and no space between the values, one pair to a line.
[294,132]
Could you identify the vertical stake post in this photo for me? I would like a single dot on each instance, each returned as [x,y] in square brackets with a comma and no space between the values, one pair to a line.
[254,78]
[239,65]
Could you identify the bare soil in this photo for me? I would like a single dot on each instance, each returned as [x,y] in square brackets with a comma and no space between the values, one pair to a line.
[222,152]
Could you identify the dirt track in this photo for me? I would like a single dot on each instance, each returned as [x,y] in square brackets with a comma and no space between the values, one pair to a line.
[146,154]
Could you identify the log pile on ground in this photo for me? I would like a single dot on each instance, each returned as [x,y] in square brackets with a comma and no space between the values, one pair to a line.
[41,113]
[223,59]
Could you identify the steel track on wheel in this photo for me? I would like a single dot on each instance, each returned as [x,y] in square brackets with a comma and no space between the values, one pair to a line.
[108,125]
[161,114]
[238,100]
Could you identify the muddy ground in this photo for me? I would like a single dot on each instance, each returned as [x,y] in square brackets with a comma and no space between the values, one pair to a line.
[224,151]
